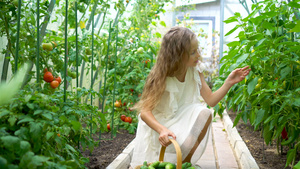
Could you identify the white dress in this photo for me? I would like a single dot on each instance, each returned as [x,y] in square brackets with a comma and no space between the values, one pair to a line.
[178,110]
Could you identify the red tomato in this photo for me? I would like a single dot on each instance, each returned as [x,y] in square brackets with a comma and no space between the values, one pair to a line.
[58,79]
[48,77]
[284,134]
[128,119]
[54,84]
[123,117]
[124,104]
[131,90]
[108,126]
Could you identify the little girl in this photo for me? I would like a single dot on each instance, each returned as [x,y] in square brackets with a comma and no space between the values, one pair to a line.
[170,104]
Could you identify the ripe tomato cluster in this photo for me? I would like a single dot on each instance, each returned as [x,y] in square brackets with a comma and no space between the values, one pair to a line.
[49,78]
[126,119]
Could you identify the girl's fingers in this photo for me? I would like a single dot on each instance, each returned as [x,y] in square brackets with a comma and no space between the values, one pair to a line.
[246,67]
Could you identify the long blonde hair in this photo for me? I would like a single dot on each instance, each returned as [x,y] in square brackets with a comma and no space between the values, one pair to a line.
[174,52]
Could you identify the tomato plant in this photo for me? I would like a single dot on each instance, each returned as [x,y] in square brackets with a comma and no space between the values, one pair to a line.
[45,124]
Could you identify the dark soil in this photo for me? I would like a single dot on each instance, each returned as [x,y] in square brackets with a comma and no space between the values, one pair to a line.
[266,156]
[108,150]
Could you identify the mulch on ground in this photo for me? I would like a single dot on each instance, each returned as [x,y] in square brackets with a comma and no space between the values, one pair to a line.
[108,150]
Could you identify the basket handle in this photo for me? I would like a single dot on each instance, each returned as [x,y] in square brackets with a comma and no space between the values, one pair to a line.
[178,153]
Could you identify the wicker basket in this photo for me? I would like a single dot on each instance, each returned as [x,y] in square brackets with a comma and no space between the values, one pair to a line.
[162,155]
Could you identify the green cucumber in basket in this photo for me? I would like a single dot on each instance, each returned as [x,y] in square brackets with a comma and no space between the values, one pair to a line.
[170,166]
[155,164]
[145,165]
[191,168]
[162,164]
[186,165]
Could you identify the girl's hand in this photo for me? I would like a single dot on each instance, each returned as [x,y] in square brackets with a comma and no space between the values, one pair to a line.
[164,137]
[238,75]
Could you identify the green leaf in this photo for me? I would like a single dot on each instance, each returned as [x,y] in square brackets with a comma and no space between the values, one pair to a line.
[245,116]
[4,113]
[163,23]
[24,147]
[294,4]
[103,121]
[47,116]
[231,19]
[296,28]
[30,105]
[157,34]
[8,90]
[22,133]
[3,163]
[259,117]
[49,134]
[26,119]
[290,156]
[76,125]
[267,134]
[71,148]
[232,30]
[12,120]
[242,58]
[267,25]
[35,129]
[10,142]
[233,43]
[297,166]
[284,72]
[255,36]
[39,111]
[260,42]
[296,102]
[251,85]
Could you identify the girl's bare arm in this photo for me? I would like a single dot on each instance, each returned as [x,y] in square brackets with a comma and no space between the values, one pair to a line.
[163,132]
[213,98]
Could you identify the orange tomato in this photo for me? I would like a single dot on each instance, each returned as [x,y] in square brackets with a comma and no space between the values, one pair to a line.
[108,126]
[118,104]
[54,84]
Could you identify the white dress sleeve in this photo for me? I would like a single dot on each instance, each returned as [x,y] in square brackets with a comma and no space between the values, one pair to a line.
[198,69]
[168,105]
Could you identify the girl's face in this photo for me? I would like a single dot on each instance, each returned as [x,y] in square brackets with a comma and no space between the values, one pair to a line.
[194,53]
